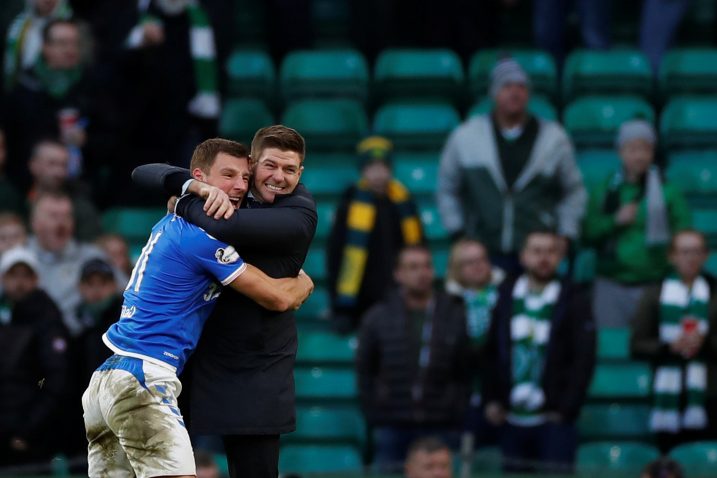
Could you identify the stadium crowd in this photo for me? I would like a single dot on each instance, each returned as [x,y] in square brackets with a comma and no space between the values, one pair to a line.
[503,350]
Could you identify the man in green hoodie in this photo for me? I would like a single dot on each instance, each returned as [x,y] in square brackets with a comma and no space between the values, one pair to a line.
[631,218]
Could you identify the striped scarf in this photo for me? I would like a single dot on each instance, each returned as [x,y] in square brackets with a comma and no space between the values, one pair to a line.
[681,381]
[530,332]
[360,223]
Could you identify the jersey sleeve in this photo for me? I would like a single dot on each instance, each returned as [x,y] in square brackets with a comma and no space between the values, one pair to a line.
[216,257]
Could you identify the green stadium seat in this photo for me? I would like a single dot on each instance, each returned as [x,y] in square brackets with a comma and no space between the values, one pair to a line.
[337,73]
[607,72]
[325,384]
[597,165]
[690,122]
[613,343]
[242,117]
[432,225]
[615,421]
[705,221]
[251,73]
[221,460]
[315,265]
[440,260]
[695,173]
[539,65]
[319,459]
[488,460]
[134,224]
[584,266]
[698,460]
[631,380]
[711,266]
[329,182]
[419,177]
[319,424]
[329,160]
[430,73]
[603,458]
[593,121]
[326,211]
[316,307]
[411,125]
[539,105]
[326,348]
[328,124]
[688,71]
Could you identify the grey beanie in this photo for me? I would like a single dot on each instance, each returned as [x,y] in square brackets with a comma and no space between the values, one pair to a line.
[635,129]
[504,72]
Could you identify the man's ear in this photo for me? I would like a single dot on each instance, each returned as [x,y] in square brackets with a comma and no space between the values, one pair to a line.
[198,174]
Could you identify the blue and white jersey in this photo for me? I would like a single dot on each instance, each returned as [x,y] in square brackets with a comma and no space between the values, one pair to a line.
[172,291]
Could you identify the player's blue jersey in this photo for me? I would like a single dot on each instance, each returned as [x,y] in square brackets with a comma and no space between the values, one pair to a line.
[172,291]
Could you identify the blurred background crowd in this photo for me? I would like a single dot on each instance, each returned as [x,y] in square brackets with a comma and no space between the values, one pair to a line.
[516,220]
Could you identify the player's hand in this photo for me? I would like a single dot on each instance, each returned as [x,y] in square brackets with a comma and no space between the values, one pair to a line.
[172,204]
[216,201]
[308,286]
[495,413]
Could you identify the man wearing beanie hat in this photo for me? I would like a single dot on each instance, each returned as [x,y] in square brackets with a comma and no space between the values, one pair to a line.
[375,219]
[631,218]
[508,173]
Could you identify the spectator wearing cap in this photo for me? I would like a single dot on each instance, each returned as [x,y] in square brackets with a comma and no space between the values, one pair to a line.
[375,219]
[33,363]
[631,217]
[508,173]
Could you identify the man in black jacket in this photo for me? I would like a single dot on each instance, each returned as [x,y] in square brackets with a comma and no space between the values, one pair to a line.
[539,360]
[241,382]
[412,362]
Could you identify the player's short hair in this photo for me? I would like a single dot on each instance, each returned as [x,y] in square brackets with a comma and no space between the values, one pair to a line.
[206,152]
[426,444]
[691,232]
[280,137]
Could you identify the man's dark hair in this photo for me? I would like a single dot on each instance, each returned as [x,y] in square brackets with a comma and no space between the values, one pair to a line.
[426,444]
[206,152]
[280,137]
[412,248]
[52,23]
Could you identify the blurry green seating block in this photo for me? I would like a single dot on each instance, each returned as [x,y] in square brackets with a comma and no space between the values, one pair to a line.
[419,177]
[602,458]
[326,211]
[221,460]
[440,260]
[432,225]
[584,267]
[613,343]
[321,424]
[315,264]
[597,165]
[615,421]
[688,70]
[134,224]
[325,384]
[427,73]
[315,73]
[329,182]
[632,380]
[319,459]
[487,460]
[593,121]
[242,117]
[416,125]
[695,174]
[328,124]
[607,71]
[539,65]
[325,347]
[316,306]
[689,122]
[251,73]
[711,266]
[538,105]
[698,460]
[329,160]
[705,221]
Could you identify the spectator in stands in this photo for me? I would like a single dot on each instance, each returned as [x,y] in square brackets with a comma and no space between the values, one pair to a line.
[508,173]
[412,362]
[630,218]
[117,251]
[13,232]
[23,41]
[658,27]
[10,198]
[471,277]
[49,168]
[206,465]
[52,99]
[428,458]
[33,364]
[663,468]
[59,255]
[375,219]
[675,328]
[539,360]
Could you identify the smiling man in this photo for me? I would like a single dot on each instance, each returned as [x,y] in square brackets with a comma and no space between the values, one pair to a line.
[241,385]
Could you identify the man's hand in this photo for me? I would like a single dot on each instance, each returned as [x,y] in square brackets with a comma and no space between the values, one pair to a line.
[152,34]
[680,345]
[300,287]
[171,204]
[626,215]
[495,413]
[693,344]
[217,203]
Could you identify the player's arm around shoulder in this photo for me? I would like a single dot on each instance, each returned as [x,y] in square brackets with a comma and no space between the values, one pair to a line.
[278,295]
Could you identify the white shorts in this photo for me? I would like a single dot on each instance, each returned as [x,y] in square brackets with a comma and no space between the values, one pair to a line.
[133,425]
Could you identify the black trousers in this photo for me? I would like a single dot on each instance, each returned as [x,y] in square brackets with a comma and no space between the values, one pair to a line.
[252,456]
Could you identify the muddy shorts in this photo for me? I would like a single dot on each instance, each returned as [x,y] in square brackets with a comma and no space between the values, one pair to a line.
[133,425]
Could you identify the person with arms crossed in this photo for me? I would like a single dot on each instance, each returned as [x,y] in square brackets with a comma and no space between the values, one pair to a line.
[132,420]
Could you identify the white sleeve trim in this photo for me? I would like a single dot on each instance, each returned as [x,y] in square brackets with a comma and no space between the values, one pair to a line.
[185,186]
[240,270]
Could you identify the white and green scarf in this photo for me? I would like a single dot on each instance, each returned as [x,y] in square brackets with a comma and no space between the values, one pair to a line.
[681,382]
[530,332]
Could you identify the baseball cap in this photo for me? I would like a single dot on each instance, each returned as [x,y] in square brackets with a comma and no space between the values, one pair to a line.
[18,255]
[96,266]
